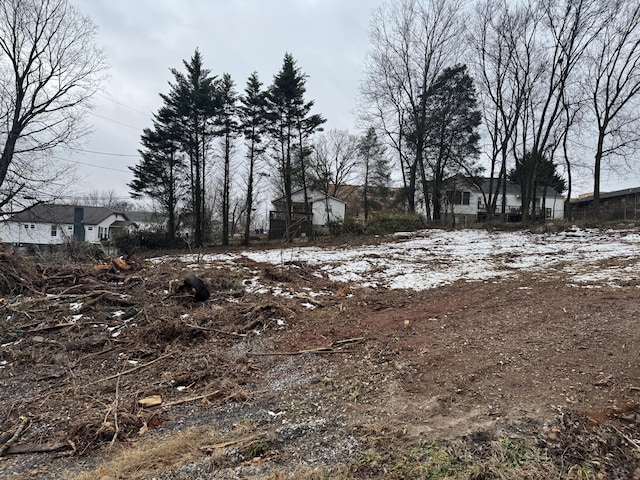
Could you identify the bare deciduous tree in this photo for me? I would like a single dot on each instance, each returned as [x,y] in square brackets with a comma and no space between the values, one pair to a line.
[49,68]
[412,42]
[613,83]
[550,43]
[109,199]
[500,93]
[334,160]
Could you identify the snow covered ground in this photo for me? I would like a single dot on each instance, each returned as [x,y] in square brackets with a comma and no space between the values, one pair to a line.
[431,258]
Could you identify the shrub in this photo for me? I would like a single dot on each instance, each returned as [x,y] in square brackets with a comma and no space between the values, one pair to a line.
[405,222]
[379,225]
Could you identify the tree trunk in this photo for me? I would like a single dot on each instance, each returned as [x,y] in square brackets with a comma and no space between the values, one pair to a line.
[225,191]
[7,154]
[596,176]
[247,226]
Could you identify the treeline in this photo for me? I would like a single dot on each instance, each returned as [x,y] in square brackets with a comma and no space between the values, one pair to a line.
[556,81]
[206,135]
[512,90]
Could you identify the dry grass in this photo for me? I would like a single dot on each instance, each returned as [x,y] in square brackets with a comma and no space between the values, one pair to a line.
[151,457]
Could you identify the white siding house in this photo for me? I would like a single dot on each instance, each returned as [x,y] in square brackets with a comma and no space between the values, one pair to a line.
[49,224]
[306,219]
[466,200]
[324,208]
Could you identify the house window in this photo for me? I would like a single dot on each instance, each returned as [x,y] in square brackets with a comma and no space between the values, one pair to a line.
[89,228]
[103,233]
[32,226]
[461,198]
[54,231]
[26,226]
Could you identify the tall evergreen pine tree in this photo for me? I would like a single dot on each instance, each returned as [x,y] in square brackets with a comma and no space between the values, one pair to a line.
[195,102]
[291,125]
[253,118]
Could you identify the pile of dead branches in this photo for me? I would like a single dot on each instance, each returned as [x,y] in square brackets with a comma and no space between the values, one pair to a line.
[17,274]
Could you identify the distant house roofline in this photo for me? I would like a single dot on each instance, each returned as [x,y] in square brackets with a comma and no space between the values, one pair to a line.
[482,183]
[63,214]
[604,195]
[313,196]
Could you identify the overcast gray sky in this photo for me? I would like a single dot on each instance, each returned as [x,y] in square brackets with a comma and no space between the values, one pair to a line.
[143,39]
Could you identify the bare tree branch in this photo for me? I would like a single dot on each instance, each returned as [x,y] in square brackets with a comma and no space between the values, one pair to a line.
[49,69]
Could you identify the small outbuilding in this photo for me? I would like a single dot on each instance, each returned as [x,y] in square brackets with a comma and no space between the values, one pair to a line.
[314,217]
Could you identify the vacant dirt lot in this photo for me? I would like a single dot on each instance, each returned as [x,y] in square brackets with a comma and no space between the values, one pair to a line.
[532,371]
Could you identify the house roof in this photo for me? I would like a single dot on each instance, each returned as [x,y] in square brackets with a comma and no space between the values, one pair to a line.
[604,195]
[146,217]
[120,223]
[512,188]
[483,184]
[314,195]
[63,214]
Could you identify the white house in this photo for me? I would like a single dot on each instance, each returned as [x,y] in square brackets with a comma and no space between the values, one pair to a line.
[147,220]
[51,224]
[465,198]
[322,210]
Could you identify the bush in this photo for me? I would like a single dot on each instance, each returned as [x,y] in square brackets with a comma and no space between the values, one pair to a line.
[72,251]
[379,225]
[128,243]
[405,222]
[348,227]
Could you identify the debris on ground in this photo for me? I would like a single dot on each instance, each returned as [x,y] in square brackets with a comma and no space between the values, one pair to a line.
[279,370]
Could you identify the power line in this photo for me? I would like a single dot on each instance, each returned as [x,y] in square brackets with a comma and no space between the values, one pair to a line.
[138,129]
[91,165]
[104,153]
[91,197]
[106,97]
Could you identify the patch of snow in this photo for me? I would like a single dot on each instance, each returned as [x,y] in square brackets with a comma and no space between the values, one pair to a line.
[432,258]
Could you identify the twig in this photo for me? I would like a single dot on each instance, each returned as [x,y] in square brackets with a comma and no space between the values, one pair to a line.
[628,439]
[126,372]
[207,329]
[51,327]
[24,422]
[56,447]
[190,399]
[321,350]
[116,402]
[347,340]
